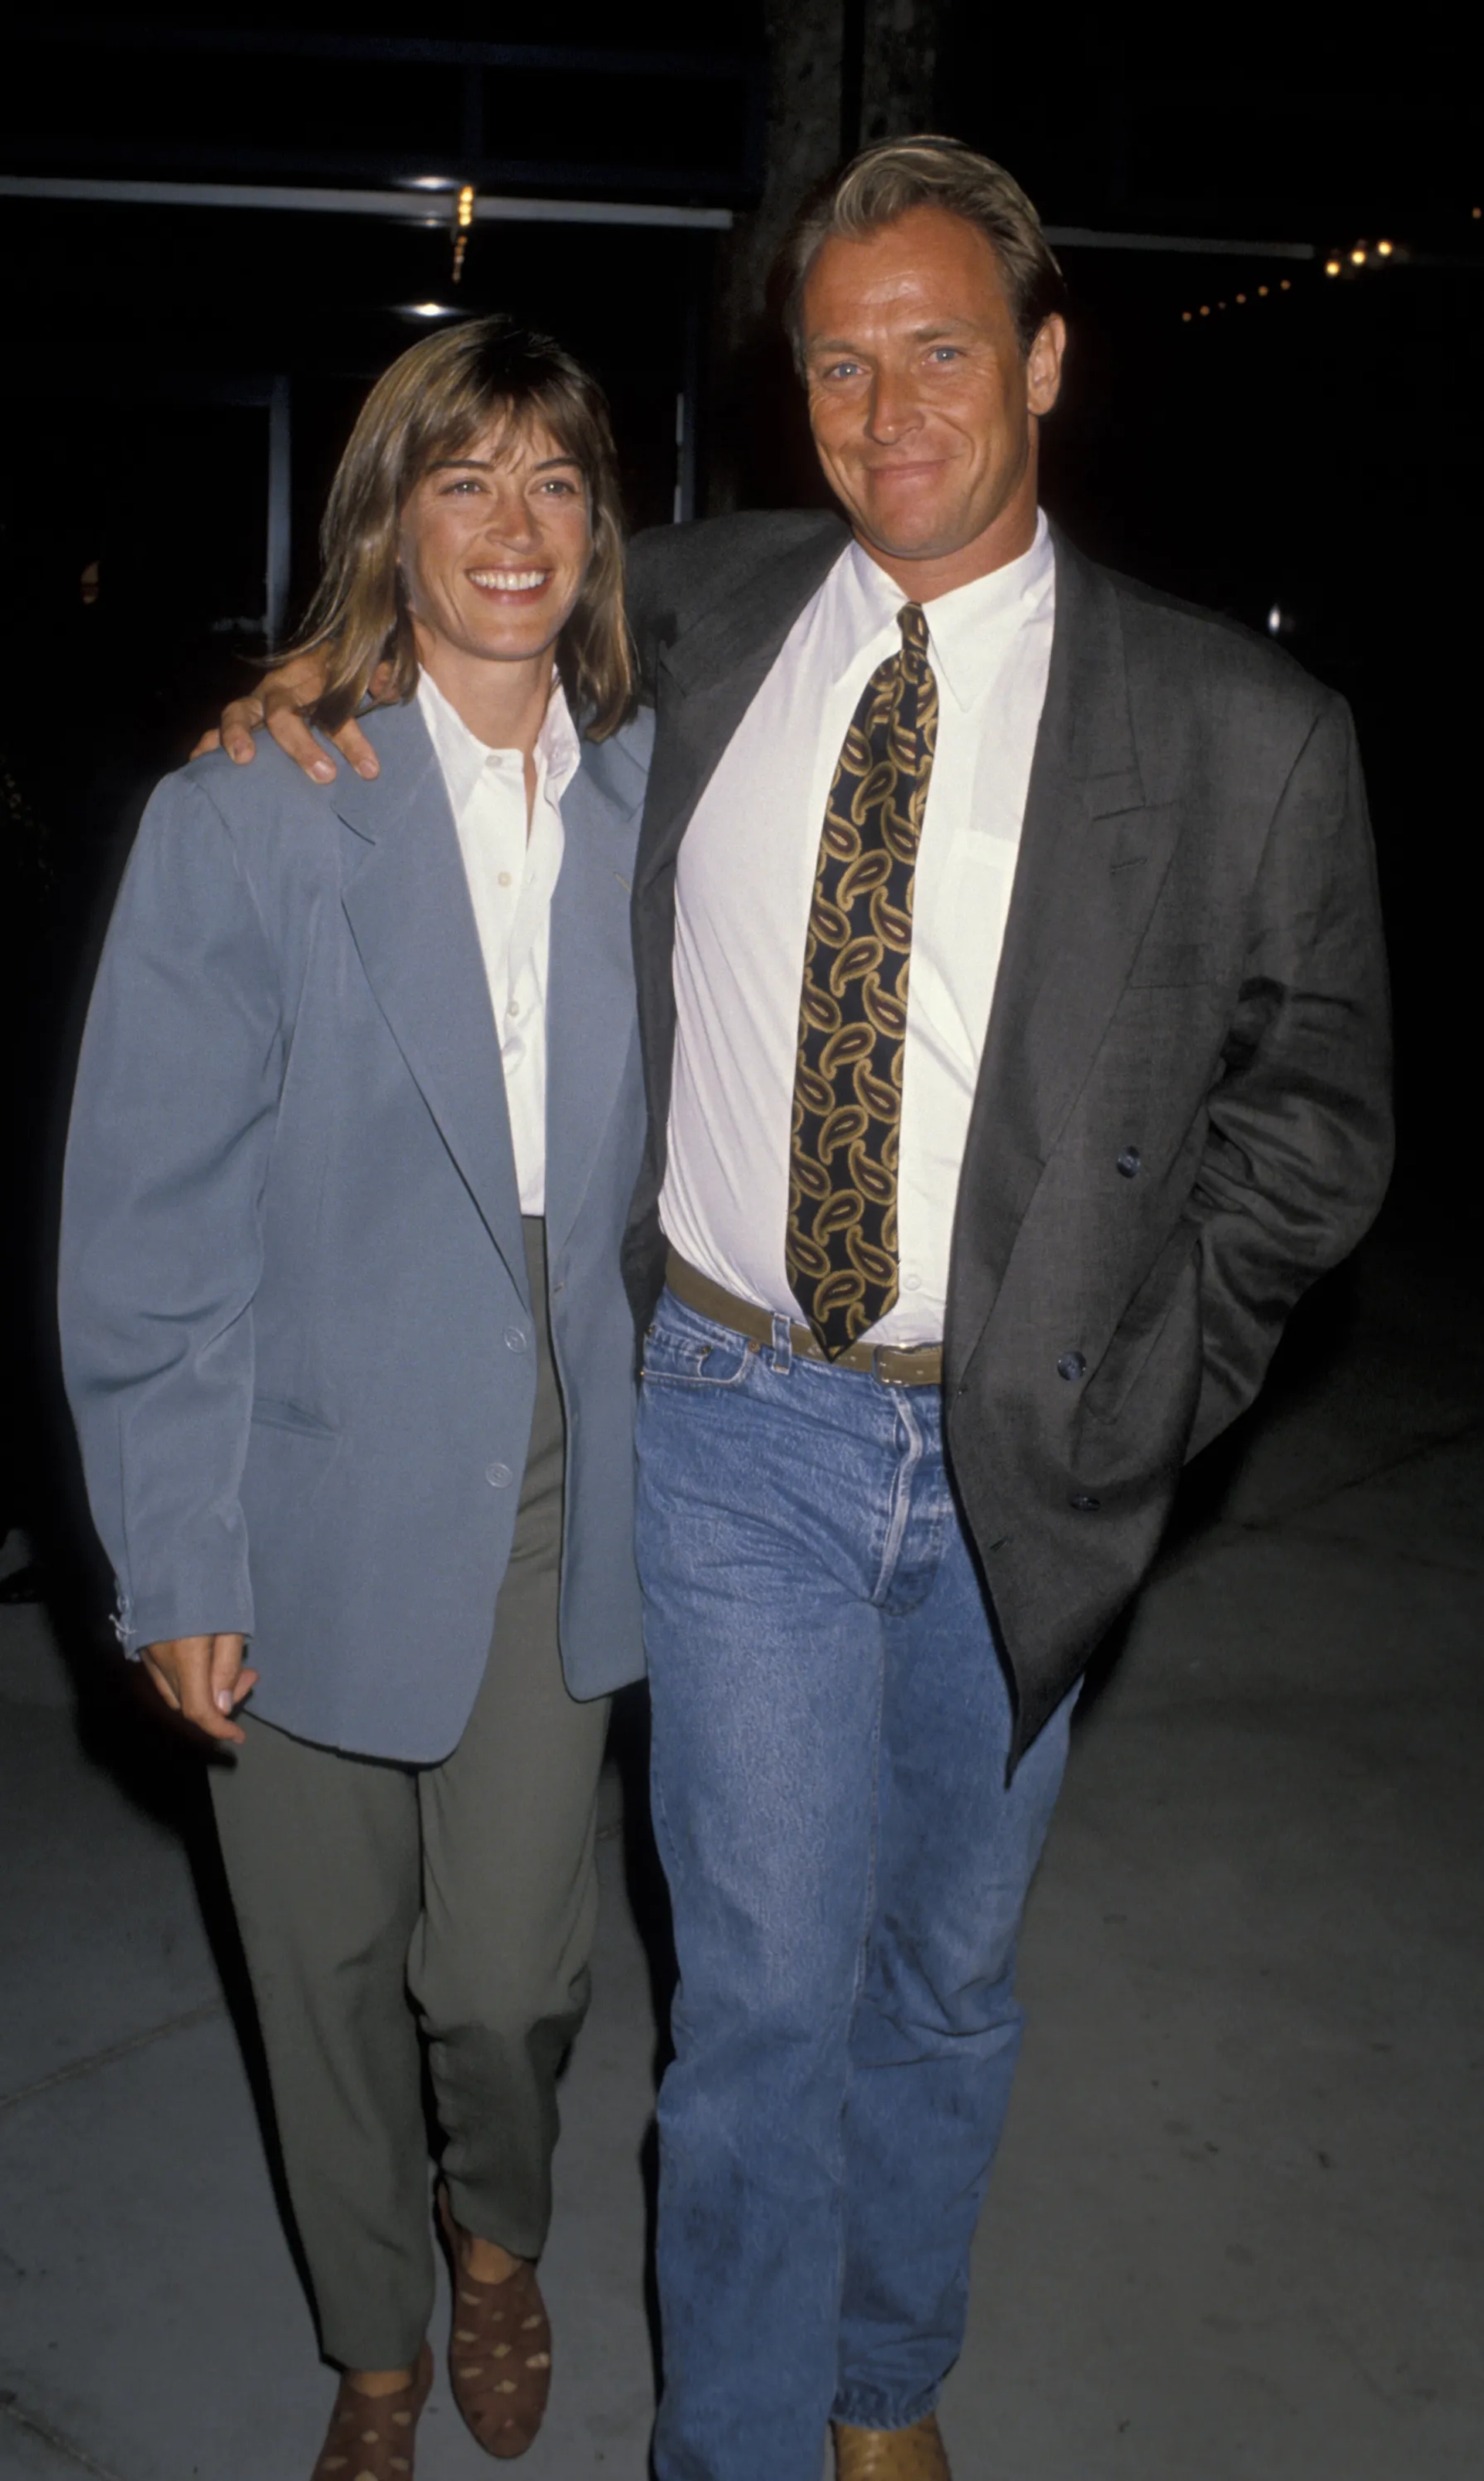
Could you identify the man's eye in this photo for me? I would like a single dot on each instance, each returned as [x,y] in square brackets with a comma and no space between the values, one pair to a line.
[945,353]
[841,371]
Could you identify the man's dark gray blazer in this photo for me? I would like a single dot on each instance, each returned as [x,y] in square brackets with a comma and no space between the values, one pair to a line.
[295,1302]
[1182,1114]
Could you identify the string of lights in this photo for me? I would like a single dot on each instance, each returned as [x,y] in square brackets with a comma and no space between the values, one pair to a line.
[1336,262]
[463,214]
[1262,293]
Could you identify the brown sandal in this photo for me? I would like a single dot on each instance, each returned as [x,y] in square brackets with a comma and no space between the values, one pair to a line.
[500,2351]
[371,2437]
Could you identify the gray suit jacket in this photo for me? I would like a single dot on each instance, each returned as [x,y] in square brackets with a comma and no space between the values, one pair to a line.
[295,1322]
[1183,1113]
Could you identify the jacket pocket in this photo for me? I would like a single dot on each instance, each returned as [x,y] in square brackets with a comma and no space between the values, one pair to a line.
[1171,1283]
[1172,965]
[278,1413]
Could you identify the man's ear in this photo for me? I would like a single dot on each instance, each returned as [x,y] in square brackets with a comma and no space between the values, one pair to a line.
[1043,364]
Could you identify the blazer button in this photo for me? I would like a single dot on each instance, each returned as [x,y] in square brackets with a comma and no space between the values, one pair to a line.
[515,1337]
[1085,1502]
[499,1476]
[1131,1161]
[1071,1365]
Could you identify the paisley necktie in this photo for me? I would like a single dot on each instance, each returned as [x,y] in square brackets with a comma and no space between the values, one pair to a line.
[840,1243]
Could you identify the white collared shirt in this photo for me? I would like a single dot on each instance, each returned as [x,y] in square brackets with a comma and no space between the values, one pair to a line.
[744,885]
[512,874]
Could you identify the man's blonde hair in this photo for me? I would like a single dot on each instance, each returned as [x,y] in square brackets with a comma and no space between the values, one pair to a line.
[889,180]
[437,401]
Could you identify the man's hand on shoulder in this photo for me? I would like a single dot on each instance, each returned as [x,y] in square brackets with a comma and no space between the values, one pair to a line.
[204,1679]
[279,705]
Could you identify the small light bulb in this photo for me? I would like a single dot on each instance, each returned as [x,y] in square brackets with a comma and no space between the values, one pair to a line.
[1357,258]
[1262,289]
[1186,314]
[1332,267]
[1241,297]
[465,207]
[1275,620]
[1385,249]
[1204,309]
[1283,287]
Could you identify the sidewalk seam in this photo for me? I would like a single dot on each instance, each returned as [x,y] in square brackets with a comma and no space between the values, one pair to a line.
[193,2016]
[35,2427]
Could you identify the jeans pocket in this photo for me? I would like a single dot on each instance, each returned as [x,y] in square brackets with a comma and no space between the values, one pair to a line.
[696,1353]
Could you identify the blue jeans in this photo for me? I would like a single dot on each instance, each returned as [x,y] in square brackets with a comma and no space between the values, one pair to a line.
[847,1872]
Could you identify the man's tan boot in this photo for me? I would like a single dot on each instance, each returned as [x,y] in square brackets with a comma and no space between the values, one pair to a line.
[915,2454]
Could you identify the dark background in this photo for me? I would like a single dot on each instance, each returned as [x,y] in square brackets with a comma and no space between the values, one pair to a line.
[1306,459]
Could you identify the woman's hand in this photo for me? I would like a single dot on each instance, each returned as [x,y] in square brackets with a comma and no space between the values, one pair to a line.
[279,703]
[204,1679]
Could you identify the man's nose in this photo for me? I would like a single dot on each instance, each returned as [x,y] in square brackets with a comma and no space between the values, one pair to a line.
[894,407]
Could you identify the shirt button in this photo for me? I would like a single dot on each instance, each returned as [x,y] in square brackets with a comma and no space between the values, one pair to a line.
[1131,1161]
[515,1337]
[514,1008]
[504,879]
[912,1283]
[1085,1502]
[499,1476]
[1071,1365]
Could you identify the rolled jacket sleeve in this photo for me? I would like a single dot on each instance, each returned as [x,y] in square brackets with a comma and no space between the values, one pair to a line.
[171,1123]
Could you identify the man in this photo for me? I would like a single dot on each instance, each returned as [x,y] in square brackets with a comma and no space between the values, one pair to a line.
[1014,1017]
[356,1124]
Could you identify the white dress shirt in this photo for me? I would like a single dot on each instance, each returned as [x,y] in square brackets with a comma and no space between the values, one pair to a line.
[744,885]
[512,874]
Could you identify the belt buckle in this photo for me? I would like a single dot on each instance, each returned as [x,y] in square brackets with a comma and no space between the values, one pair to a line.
[879,1354]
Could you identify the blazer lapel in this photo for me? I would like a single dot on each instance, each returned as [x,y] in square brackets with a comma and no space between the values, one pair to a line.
[1092,857]
[407,901]
[590,1005]
[706,684]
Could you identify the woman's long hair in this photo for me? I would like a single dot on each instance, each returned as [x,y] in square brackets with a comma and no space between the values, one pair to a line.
[437,401]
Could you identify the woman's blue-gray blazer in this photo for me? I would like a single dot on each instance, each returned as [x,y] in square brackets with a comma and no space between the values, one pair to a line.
[295,1311]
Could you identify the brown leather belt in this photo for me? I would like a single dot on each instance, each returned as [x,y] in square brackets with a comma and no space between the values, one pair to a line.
[895,1365]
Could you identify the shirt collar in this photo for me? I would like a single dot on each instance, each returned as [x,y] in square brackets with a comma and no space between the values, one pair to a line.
[464,758]
[967,630]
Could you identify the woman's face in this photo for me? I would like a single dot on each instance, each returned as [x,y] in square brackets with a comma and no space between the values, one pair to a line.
[495,544]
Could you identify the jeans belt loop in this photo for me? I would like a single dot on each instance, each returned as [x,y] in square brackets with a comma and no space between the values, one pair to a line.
[783,1345]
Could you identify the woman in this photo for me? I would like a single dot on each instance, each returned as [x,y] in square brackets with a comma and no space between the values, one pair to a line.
[356,1122]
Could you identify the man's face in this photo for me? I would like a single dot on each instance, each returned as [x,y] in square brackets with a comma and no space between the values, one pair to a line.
[924,407]
[495,544]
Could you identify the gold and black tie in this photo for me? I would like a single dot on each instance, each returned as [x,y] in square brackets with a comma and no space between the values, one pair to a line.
[840,1246]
